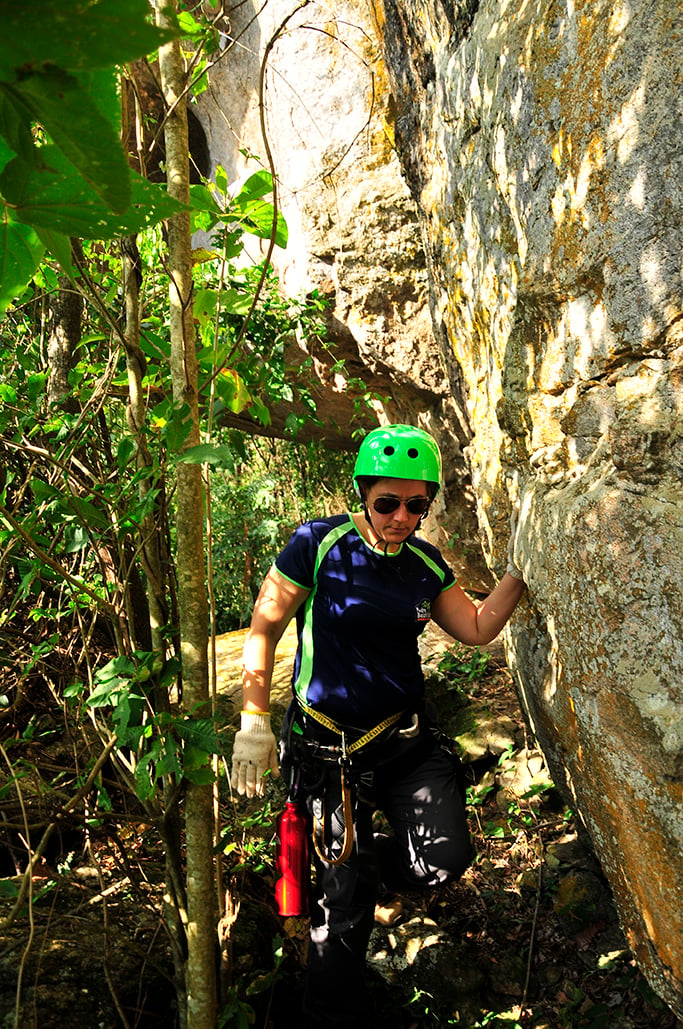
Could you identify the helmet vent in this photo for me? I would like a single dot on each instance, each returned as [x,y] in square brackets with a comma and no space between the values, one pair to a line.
[412,452]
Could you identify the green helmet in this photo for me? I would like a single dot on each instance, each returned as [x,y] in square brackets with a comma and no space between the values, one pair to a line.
[399,452]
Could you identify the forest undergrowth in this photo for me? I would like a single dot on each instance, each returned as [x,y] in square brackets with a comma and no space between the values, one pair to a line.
[528,938]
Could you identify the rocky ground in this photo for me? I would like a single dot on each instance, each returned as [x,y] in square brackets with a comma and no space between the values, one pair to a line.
[529,937]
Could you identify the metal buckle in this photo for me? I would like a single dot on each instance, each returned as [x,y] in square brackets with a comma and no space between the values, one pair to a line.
[412,729]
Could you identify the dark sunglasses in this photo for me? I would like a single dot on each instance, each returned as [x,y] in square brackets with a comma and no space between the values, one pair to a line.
[386,505]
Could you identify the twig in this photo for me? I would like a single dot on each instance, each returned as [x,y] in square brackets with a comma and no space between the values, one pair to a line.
[522,1003]
[109,890]
[106,958]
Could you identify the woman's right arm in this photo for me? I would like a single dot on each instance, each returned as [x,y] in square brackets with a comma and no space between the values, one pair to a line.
[276,605]
[254,751]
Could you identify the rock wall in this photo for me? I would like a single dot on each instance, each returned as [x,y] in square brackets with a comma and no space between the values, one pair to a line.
[541,145]
[543,142]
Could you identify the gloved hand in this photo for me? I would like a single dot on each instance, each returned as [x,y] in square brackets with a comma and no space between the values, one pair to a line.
[512,567]
[254,753]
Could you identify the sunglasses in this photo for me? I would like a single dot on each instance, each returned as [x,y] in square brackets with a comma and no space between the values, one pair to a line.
[387,505]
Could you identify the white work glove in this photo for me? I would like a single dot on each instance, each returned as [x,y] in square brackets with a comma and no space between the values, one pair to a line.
[254,753]
[512,567]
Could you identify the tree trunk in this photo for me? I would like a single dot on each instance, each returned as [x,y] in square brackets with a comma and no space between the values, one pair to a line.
[64,337]
[192,594]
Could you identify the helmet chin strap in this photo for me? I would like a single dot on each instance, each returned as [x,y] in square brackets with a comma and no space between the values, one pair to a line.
[368,519]
[380,539]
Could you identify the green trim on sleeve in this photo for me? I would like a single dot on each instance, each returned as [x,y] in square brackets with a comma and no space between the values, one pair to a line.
[439,572]
[290,579]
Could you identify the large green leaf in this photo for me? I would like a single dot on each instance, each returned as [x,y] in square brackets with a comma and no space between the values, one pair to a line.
[74,35]
[256,214]
[67,111]
[6,152]
[200,732]
[15,126]
[56,197]
[220,456]
[258,185]
[59,246]
[258,219]
[20,253]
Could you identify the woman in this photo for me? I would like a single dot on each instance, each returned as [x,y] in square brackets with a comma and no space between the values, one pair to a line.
[356,737]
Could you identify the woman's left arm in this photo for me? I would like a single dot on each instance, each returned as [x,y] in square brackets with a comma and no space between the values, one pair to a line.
[476,625]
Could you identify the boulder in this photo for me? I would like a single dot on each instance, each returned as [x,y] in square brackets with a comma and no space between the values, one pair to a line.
[419,958]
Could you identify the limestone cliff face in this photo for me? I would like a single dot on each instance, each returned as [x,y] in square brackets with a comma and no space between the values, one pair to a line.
[543,142]
[536,214]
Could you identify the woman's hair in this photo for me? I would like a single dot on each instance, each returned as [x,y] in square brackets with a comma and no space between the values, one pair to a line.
[366,482]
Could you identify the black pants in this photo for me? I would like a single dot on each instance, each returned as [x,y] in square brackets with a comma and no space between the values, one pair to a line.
[418,791]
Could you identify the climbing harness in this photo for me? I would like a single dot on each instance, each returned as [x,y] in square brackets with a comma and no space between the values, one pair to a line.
[343,755]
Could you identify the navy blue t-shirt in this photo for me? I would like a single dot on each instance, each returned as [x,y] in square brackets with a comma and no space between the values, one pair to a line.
[357,660]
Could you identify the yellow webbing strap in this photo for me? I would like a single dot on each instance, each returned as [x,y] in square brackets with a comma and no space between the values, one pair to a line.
[357,744]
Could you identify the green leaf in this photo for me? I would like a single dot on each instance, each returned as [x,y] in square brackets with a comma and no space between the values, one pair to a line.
[232,391]
[74,690]
[206,213]
[221,179]
[258,185]
[202,199]
[258,220]
[8,394]
[256,214]
[87,137]
[125,451]
[15,127]
[144,784]
[204,305]
[235,301]
[188,25]
[199,733]
[103,695]
[20,254]
[88,514]
[76,35]
[75,538]
[117,669]
[259,411]
[177,427]
[56,197]
[59,246]
[207,453]
[155,346]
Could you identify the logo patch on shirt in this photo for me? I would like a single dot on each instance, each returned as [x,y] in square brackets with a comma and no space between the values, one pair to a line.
[423,611]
